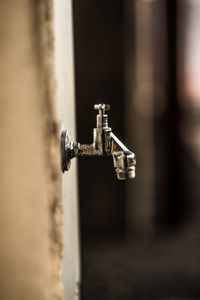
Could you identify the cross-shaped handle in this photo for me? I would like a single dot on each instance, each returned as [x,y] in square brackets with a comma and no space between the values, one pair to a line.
[102,108]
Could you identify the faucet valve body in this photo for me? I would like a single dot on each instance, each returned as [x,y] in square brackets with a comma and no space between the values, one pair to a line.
[104,143]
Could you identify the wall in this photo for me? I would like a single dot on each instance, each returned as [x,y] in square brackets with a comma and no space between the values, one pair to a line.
[30,177]
[66,112]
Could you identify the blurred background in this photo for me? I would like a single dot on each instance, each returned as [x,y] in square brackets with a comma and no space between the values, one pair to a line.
[140,238]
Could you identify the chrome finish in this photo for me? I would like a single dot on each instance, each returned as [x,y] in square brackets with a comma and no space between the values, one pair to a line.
[104,143]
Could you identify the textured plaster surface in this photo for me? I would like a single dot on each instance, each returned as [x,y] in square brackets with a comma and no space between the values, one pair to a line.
[66,111]
[30,182]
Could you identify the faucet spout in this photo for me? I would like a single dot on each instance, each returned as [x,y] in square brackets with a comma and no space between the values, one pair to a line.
[104,143]
[124,160]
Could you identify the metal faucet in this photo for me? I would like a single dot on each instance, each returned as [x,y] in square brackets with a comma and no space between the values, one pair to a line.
[104,143]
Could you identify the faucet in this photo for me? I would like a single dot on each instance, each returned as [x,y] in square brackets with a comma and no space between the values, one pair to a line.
[104,143]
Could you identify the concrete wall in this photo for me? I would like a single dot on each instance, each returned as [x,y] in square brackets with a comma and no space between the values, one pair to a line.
[30,177]
[66,110]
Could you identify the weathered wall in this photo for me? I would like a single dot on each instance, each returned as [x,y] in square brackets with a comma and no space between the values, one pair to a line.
[30,196]
[66,112]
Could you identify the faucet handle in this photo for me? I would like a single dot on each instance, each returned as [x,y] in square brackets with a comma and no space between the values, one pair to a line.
[102,118]
[102,108]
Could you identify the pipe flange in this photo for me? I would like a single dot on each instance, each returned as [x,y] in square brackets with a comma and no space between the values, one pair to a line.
[65,151]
